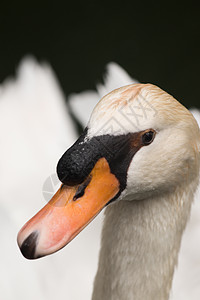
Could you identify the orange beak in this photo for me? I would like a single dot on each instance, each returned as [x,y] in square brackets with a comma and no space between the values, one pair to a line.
[67,213]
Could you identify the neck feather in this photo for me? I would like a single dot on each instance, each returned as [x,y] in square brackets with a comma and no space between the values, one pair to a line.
[140,245]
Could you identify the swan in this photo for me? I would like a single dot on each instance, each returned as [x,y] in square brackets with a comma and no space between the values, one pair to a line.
[138,157]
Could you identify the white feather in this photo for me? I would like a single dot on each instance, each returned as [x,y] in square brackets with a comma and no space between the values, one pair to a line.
[35,130]
[83,103]
[186,282]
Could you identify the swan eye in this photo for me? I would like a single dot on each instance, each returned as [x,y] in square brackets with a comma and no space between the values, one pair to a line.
[148,137]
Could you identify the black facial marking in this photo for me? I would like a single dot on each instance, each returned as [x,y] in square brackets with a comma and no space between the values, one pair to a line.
[78,161]
[29,245]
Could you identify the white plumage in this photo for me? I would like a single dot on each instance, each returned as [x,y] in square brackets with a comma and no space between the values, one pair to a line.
[186,283]
[36,129]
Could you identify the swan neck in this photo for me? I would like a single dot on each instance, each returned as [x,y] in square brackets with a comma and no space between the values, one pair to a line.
[139,247]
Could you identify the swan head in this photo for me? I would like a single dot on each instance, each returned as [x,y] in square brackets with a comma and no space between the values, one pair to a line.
[139,142]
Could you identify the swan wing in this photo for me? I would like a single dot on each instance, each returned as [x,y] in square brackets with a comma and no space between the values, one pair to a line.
[186,281]
[35,129]
[83,103]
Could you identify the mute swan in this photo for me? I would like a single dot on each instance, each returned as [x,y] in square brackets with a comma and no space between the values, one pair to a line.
[141,152]
[18,277]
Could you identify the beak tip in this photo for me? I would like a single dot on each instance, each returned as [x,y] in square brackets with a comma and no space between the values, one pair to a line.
[28,247]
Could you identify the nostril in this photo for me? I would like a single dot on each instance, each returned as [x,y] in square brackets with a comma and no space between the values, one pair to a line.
[29,245]
[81,189]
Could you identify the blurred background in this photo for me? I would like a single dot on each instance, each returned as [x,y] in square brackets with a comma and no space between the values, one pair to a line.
[154,42]
[45,101]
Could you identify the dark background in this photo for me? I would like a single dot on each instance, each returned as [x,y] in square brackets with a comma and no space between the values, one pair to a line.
[154,42]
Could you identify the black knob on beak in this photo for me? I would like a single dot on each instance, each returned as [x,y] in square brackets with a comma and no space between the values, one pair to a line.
[78,161]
